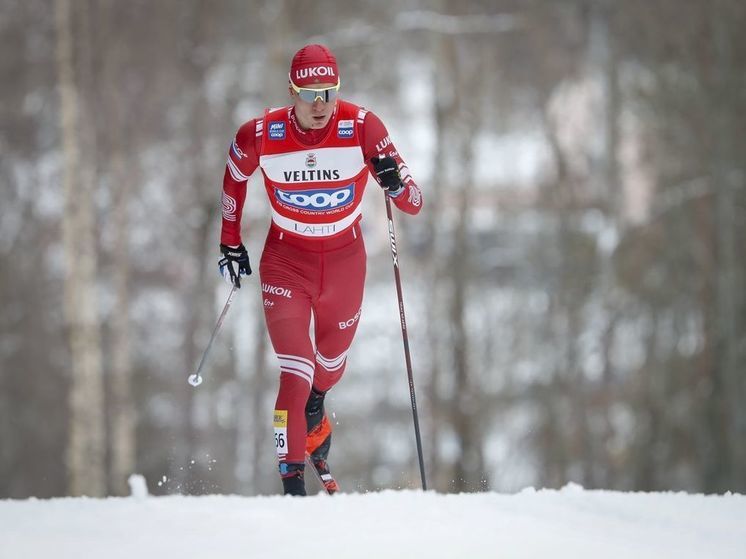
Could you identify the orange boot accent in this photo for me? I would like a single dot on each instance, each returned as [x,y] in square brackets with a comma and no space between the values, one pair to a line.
[318,435]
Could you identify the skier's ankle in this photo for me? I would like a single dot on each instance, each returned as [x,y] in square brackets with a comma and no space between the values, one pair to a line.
[292,479]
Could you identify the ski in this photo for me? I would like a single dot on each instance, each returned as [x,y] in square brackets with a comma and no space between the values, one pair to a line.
[321,473]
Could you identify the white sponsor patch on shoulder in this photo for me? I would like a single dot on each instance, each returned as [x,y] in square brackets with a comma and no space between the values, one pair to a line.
[229,207]
[415,197]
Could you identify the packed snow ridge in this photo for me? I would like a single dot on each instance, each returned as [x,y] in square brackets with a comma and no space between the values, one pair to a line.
[570,523]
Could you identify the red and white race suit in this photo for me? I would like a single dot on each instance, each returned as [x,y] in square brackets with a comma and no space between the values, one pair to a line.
[313,263]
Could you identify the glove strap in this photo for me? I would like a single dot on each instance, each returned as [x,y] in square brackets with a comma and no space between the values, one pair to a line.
[396,193]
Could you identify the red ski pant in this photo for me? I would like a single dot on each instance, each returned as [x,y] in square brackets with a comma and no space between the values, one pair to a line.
[301,279]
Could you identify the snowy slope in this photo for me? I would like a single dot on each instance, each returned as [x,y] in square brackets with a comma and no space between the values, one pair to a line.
[570,523]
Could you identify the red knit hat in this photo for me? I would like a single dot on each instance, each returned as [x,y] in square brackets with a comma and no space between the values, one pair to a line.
[313,64]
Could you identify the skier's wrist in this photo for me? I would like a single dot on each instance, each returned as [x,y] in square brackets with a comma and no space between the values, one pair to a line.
[396,191]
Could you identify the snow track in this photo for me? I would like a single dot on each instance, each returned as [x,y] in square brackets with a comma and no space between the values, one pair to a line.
[570,523]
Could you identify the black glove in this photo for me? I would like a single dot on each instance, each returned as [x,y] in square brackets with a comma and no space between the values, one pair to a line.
[387,173]
[234,264]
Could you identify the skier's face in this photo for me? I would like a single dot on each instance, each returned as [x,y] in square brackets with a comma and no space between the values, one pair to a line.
[313,115]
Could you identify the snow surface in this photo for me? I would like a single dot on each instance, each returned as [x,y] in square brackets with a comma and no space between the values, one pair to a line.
[569,523]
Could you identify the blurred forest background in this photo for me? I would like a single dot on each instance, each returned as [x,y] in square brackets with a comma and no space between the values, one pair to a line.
[574,286]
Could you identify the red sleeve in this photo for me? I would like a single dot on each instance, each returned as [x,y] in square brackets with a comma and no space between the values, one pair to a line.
[377,142]
[243,159]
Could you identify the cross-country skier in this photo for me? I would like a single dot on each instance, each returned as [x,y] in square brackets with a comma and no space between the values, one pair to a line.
[315,157]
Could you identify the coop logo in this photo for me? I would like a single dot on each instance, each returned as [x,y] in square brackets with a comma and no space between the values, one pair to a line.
[315,72]
[277,130]
[345,129]
[317,200]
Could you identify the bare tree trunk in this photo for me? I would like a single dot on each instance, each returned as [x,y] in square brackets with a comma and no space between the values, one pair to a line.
[648,416]
[551,449]
[467,402]
[604,59]
[445,107]
[86,452]
[718,441]
[122,415]
[198,57]
[122,410]
[729,388]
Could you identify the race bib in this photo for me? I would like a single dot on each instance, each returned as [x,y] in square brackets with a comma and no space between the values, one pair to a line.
[281,432]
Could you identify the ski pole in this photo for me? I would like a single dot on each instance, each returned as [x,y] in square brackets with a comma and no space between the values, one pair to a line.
[196,379]
[405,338]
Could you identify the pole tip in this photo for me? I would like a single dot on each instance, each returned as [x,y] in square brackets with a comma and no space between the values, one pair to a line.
[195,379]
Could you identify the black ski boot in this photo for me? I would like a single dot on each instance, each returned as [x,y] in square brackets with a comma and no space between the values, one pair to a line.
[319,439]
[292,479]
